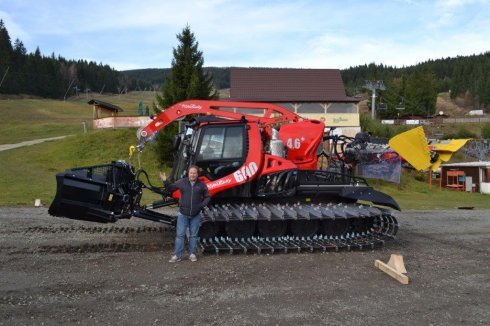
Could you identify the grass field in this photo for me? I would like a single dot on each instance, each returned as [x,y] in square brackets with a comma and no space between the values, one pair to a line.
[28,119]
[414,194]
[29,172]
[128,102]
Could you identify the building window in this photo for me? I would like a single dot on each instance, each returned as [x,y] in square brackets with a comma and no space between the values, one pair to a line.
[342,108]
[311,108]
[287,106]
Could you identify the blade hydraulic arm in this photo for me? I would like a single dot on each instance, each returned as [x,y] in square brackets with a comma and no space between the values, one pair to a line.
[267,114]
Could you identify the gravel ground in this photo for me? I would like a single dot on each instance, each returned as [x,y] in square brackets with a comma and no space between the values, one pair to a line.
[59,271]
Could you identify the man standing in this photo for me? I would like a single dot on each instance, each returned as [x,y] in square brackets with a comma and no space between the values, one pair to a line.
[194,196]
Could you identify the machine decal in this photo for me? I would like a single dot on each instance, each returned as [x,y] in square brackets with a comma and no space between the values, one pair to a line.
[246,172]
[294,143]
[191,106]
[218,183]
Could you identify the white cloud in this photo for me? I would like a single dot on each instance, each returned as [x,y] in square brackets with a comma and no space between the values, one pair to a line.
[15,30]
[448,12]
[309,34]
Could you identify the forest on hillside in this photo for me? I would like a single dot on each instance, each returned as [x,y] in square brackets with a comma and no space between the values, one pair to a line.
[156,76]
[54,76]
[412,88]
[466,77]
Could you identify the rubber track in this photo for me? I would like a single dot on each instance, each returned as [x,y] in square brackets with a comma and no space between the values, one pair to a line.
[377,226]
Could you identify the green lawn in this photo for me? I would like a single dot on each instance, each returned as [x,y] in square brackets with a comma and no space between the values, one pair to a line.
[414,194]
[32,119]
[128,102]
[28,119]
[29,172]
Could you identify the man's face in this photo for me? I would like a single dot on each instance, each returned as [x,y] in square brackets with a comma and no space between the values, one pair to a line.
[192,174]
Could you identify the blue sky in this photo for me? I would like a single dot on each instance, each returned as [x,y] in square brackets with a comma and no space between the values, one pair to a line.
[290,34]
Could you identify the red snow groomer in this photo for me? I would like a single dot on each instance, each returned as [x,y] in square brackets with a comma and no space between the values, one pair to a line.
[260,163]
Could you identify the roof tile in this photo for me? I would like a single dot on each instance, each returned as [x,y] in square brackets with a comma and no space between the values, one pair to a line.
[287,85]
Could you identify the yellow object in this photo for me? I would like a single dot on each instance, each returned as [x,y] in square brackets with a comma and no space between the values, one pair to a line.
[453,146]
[446,150]
[412,146]
[132,148]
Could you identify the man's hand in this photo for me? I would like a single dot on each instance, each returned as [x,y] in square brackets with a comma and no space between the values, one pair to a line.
[163,176]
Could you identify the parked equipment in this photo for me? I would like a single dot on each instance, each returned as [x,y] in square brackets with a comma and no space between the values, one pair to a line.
[260,163]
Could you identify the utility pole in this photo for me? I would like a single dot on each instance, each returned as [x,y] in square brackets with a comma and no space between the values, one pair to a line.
[4,75]
[373,85]
[64,97]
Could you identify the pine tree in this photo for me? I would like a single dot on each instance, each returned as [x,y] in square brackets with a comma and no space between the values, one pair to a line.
[187,81]
[421,92]
[17,70]
[6,55]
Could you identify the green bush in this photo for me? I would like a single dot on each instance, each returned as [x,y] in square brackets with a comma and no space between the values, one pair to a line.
[380,130]
[462,132]
[164,143]
[485,130]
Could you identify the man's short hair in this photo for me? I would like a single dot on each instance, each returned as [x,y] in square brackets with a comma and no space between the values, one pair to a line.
[193,167]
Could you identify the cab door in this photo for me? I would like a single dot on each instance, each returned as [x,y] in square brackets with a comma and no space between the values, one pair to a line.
[221,150]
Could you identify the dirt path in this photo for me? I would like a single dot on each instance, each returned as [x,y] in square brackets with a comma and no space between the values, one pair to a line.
[60,271]
[5,147]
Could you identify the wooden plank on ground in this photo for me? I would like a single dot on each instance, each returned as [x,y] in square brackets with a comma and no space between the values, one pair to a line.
[403,279]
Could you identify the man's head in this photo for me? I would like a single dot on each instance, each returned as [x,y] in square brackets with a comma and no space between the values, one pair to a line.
[192,173]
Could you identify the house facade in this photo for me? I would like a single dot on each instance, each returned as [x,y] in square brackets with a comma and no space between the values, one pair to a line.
[310,93]
[478,171]
[106,115]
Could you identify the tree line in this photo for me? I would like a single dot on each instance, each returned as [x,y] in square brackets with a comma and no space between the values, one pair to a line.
[412,88]
[157,76]
[415,87]
[54,76]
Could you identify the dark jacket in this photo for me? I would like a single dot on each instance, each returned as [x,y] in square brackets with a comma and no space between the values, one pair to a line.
[192,198]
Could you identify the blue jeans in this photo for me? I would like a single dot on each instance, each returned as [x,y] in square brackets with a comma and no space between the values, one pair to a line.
[184,222]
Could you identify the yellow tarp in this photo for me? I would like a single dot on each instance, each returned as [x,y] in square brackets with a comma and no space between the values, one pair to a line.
[446,150]
[412,146]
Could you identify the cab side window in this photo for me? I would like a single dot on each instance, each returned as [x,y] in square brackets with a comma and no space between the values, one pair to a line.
[221,150]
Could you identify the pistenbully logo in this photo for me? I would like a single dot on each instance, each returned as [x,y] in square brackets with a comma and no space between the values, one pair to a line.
[218,183]
[191,106]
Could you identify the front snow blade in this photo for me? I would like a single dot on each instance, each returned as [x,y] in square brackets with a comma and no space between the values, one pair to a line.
[101,193]
[369,194]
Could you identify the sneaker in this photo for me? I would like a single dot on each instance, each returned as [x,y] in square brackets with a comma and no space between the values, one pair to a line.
[193,258]
[174,259]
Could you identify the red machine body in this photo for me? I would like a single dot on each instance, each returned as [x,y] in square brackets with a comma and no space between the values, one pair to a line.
[259,162]
[300,137]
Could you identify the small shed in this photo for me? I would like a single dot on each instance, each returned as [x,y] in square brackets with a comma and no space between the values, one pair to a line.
[105,108]
[478,171]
